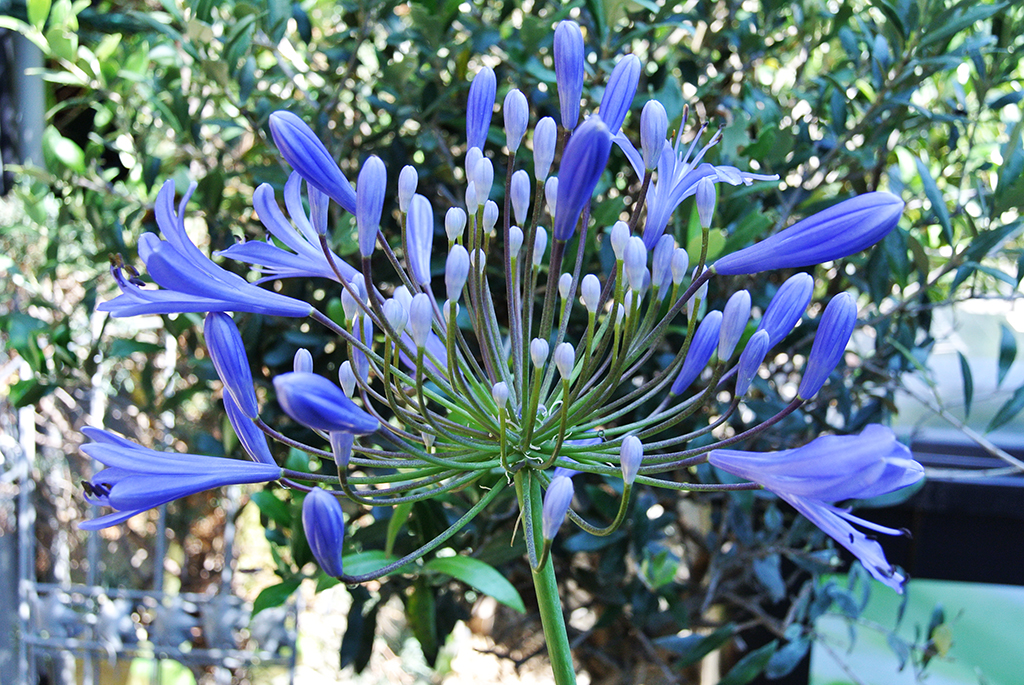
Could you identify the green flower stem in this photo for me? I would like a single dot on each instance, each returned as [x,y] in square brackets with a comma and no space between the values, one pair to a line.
[549,603]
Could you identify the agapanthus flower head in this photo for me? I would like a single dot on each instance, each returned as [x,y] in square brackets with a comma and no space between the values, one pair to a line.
[619,93]
[834,331]
[188,280]
[839,231]
[138,478]
[324,524]
[304,151]
[569,71]
[317,403]
[583,162]
[831,469]
[480,107]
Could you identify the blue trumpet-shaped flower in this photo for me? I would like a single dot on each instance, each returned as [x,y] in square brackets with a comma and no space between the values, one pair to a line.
[569,71]
[324,524]
[302,149]
[189,281]
[138,478]
[839,231]
[304,257]
[582,164]
[831,469]
[319,404]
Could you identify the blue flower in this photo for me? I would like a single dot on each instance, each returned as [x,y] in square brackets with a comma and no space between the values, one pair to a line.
[703,345]
[324,524]
[830,469]
[301,148]
[619,93]
[189,281]
[583,162]
[830,341]
[138,478]
[480,107]
[839,231]
[227,351]
[304,257]
[569,71]
[319,404]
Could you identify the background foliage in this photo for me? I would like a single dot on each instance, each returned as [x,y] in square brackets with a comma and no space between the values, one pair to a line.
[920,97]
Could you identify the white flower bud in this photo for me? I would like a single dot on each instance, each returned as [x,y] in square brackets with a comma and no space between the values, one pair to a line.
[517,117]
[630,457]
[472,199]
[454,223]
[680,265]
[483,177]
[303,361]
[620,237]
[403,296]
[565,358]
[540,244]
[564,284]
[734,322]
[447,311]
[538,352]
[515,241]
[661,264]
[635,259]
[408,179]
[520,192]
[473,155]
[590,290]
[705,199]
[653,129]
[347,378]
[456,271]
[490,216]
[545,136]
[396,314]
[500,394]
[551,194]
[420,317]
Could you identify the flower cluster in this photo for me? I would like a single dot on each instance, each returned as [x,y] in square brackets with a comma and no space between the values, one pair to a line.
[482,377]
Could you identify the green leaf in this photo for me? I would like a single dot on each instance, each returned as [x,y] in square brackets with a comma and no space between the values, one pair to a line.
[37,11]
[63,150]
[365,562]
[479,576]
[275,595]
[965,373]
[273,508]
[1007,352]
[421,613]
[900,648]
[768,572]
[935,198]
[750,666]
[786,659]
[951,22]
[1010,409]
[693,648]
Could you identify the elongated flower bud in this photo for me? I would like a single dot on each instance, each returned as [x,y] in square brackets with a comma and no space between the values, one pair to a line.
[750,361]
[301,148]
[619,237]
[701,348]
[490,216]
[302,362]
[396,315]
[456,271]
[564,285]
[517,117]
[341,448]
[454,223]
[701,294]
[680,265]
[661,263]
[253,440]
[590,290]
[540,244]
[515,241]
[830,341]
[569,71]
[420,316]
[420,236]
[786,308]
[370,187]
[408,179]
[630,457]
[480,106]
[839,231]
[538,352]
[557,499]
[705,200]
[347,378]
[473,155]
[619,93]
[231,362]
[472,198]
[483,179]
[581,167]
[635,262]
[545,136]
[653,130]
[734,322]
[319,404]
[499,392]
[362,329]
[551,194]
[324,524]
[565,358]
[520,192]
